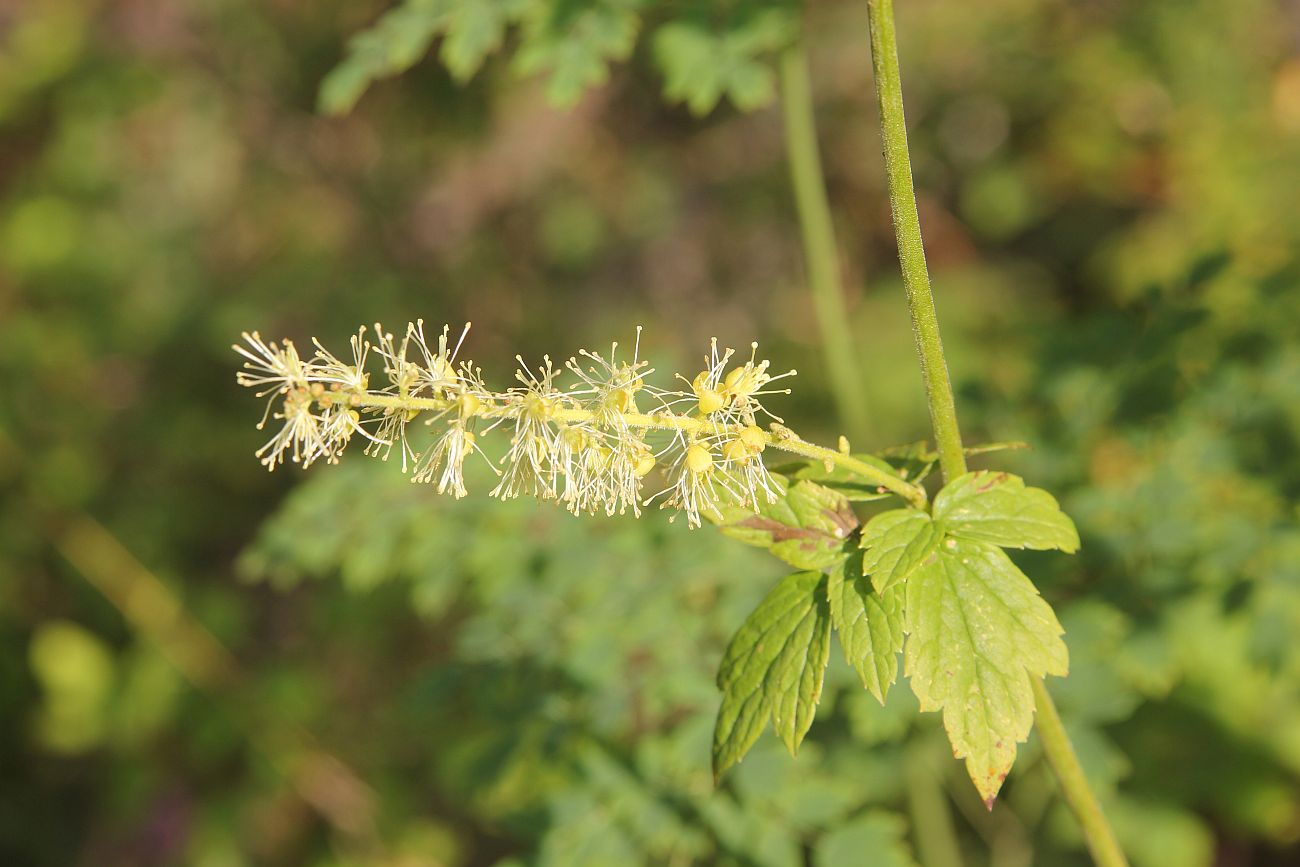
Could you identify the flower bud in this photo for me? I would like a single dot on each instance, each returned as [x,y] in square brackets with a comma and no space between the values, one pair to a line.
[698,459]
[754,439]
[735,451]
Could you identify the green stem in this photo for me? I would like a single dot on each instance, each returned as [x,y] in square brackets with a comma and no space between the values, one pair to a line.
[911,252]
[819,248]
[943,414]
[1060,754]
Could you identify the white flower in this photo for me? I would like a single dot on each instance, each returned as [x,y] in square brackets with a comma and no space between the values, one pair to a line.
[402,373]
[392,432]
[299,436]
[437,376]
[743,464]
[328,368]
[586,446]
[729,398]
[608,388]
[271,368]
[696,485]
[743,386]
[446,460]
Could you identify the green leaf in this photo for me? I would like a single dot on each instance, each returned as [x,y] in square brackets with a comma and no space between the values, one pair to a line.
[806,526]
[977,631]
[895,543]
[870,626]
[997,507]
[848,483]
[912,461]
[576,47]
[702,65]
[773,668]
[883,835]
[396,41]
[474,30]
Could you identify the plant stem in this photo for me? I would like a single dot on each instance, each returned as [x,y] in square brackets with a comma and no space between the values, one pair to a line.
[781,438]
[1060,754]
[820,254]
[911,252]
[943,414]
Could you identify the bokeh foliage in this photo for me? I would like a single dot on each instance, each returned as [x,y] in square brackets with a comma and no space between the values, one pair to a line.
[1108,190]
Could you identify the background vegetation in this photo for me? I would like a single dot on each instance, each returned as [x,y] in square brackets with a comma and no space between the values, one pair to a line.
[204,664]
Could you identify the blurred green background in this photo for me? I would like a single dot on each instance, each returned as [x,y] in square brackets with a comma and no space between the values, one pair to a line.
[204,664]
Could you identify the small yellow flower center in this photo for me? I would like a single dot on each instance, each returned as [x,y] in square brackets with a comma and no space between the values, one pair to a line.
[735,451]
[754,439]
[698,459]
[469,404]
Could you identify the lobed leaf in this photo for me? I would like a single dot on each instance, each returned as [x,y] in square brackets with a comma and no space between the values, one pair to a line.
[997,507]
[773,669]
[575,46]
[392,45]
[977,631]
[896,543]
[702,65]
[870,626]
[475,30]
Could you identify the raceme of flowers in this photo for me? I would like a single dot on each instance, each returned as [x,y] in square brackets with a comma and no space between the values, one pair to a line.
[587,444]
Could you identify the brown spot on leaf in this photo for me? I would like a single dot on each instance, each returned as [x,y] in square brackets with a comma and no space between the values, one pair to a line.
[843,518]
[785,533]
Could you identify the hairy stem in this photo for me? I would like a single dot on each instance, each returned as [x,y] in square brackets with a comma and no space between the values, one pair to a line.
[780,438]
[911,252]
[1060,755]
[822,258]
[943,414]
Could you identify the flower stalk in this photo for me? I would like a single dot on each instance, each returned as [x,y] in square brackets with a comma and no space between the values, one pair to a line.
[587,446]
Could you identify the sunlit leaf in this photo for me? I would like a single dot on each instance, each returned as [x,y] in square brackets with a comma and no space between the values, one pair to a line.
[773,669]
[870,626]
[977,631]
[998,508]
[895,543]
[806,526]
